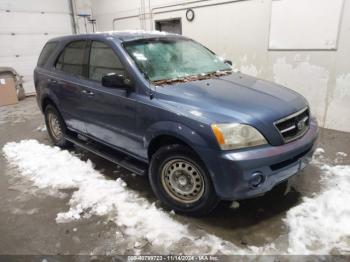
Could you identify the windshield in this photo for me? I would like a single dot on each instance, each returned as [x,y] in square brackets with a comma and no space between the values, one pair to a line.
[171,59]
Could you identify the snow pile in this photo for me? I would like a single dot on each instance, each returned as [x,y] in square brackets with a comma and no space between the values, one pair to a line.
[54,169]
[321,225]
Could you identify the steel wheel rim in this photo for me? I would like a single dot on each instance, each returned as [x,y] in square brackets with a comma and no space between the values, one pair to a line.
[182,180]
[54,126]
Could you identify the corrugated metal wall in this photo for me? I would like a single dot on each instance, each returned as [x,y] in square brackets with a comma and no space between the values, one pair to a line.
[25,26]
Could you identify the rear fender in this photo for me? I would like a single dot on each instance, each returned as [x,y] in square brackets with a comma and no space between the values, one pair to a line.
[48,94]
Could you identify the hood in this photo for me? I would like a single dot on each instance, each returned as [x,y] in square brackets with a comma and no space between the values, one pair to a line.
[232,98]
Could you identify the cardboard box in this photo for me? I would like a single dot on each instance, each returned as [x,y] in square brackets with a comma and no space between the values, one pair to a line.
[8,94]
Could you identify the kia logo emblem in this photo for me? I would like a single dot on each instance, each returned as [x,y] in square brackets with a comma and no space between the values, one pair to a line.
[301,125]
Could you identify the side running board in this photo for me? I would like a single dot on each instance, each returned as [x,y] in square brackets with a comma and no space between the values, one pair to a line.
[133,165]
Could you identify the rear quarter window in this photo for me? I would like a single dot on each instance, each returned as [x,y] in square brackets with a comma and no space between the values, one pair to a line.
[46,52]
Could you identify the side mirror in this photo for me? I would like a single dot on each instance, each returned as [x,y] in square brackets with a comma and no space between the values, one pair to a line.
[115,80]
[228,62]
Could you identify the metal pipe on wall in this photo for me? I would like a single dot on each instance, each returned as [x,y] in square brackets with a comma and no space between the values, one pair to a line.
[152,12]
[194,7]
[72,12]
[155,8]
[149,12]
[172,5]
[143,15]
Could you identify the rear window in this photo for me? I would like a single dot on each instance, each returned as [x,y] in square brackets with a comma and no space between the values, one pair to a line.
[72,59]
[46,52]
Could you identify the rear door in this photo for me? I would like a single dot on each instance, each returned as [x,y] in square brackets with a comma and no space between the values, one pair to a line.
[69,81]
[110,112]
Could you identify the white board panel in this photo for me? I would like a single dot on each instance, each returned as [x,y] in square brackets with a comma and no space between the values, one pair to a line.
[305,24]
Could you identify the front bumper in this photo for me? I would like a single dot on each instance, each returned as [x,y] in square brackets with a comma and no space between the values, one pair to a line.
[232,172]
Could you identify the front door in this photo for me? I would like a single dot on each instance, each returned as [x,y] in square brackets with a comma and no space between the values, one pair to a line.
[110,113]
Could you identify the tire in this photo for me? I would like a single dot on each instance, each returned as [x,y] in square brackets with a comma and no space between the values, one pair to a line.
[56,127]
[186,188]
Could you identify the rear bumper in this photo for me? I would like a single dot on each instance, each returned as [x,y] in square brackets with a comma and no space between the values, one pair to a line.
[232,172]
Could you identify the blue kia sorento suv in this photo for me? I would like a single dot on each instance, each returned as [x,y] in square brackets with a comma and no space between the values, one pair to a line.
[165,106]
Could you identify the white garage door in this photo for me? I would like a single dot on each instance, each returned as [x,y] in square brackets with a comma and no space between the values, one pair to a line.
[25,26]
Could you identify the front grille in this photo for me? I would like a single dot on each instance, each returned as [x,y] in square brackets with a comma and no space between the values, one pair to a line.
[294,126]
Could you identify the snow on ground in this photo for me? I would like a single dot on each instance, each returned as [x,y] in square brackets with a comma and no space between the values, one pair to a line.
[55,169]
[319,225]
[18,113]
[41,128]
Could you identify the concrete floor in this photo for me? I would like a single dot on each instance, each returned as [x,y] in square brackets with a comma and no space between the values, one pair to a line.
[27,220]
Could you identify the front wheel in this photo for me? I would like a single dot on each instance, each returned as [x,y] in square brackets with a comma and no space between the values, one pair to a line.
[180,180]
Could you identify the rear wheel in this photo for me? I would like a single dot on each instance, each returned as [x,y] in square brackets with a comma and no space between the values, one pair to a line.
[180,180]
[56,127]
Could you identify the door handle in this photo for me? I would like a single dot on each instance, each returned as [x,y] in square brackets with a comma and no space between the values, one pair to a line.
[53,81]
[87,92]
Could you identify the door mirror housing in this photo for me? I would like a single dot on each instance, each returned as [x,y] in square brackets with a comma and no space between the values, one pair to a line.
[114,80]
[228,62]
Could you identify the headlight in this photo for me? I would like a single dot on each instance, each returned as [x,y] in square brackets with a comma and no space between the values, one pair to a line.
[233,136]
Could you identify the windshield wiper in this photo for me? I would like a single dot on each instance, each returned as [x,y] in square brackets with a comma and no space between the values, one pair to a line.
[193,77]
[219,73]
[169,81]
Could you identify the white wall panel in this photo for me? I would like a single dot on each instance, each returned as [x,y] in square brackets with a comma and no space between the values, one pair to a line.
[305,24]
[25,26]
[24,64]
[12,45]
[56,6]
[34,23]
[129,24]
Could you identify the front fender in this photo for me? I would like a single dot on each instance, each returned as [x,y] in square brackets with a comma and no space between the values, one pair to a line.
[175,129]
[196,141]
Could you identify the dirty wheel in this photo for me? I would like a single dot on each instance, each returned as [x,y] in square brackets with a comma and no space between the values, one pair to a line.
[180,180]
[55,126]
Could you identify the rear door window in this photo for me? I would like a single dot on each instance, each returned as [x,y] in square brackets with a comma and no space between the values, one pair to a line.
[103,61]
[72,60]
[46,52]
